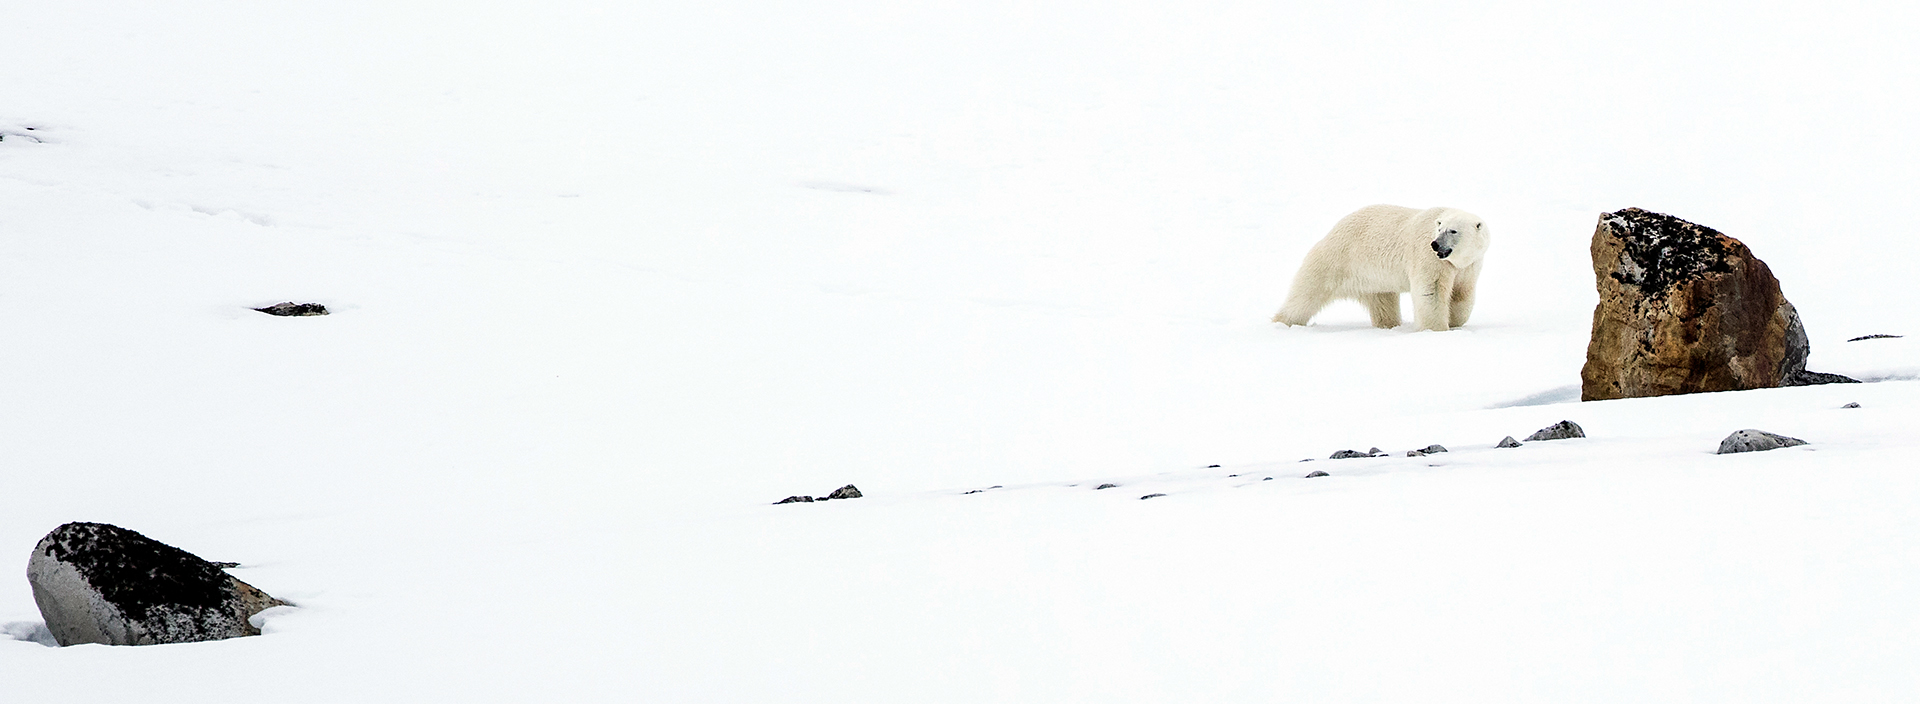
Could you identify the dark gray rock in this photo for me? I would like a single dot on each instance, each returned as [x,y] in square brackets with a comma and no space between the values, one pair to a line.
[847,492]
[291,309]
[1149,496]
[1751,440]
[1508,441]
[1807,378]
[794,500]
[1558,431]
[97,583]
[1874,337]
[1428,450]
[1851,405]
[1106,486]
[1267,479]
[1312,475]
[1348,454]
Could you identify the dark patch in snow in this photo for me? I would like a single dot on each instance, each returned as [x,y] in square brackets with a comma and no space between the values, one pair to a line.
[1106,486]
[291,309]
[1312,475]
[1149,496]
[1874,337]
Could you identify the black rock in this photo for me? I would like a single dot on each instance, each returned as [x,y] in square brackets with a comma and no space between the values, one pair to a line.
[1213,466]
[1874,337]
[1558,431]
[1311,475]
[794,500]
[1807,378]
[1508,441]
[1851,405]
[1350,454]
[294,309]
[846,492]
[98,583]
[1751,440]
[1268,479]
[1106,486]
[1149,496]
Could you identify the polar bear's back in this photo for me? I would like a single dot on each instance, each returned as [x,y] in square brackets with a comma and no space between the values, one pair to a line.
[1369,250]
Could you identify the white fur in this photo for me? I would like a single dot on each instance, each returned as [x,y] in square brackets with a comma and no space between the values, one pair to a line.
[1381,251]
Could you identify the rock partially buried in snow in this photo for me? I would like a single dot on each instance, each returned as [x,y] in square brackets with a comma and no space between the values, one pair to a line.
[97,583]
[1150,496]
[1312,475]
[845,492]
[1350,454]
[1428,450]
[1106,486]
[1684,309]
[1562,430]
[291,309]
[1751,440]
[1508,441]
[1851,405]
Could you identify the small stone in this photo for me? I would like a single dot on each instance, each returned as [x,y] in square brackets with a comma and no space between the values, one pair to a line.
[1562,430]
[1350,454]
[1149,496]
[1374,452]
[1874,337]
[794,500]
[1106,486]
[1428,450]
[1311,475]
[846,492]
[1508,441]
[291,309]
[1268,479]
[976,491]
[1851,405]
[1213,466]
[1751,440]
[1230,476]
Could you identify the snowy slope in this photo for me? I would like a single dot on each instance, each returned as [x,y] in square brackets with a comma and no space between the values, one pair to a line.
[610,278]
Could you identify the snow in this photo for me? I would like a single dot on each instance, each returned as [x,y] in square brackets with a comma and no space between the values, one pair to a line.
[608,279]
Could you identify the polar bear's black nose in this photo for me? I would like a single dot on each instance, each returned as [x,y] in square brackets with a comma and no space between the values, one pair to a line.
[1440,249]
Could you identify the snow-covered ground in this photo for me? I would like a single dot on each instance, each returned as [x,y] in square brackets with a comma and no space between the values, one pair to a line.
[609,278]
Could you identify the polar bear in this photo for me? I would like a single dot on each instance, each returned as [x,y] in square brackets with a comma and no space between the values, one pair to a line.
[1382,251]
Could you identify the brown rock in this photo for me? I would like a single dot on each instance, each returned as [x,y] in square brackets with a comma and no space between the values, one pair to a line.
[1685,309]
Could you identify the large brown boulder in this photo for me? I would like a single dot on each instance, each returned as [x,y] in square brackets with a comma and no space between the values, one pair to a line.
[98,583]
[1685,309]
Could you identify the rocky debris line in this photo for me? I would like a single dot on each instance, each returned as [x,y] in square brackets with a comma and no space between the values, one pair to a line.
[1350,454]
[1685,309]
[1106,486]
[291,309]
[1562,430]
[1874,337]
[1312,475]
[97,583]
[1428,450]
[1751,440]
[845,492]
[1508,441]
[1852,405]
[1149,496]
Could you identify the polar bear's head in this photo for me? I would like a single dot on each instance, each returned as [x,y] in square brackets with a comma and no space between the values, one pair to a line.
[1459,237]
